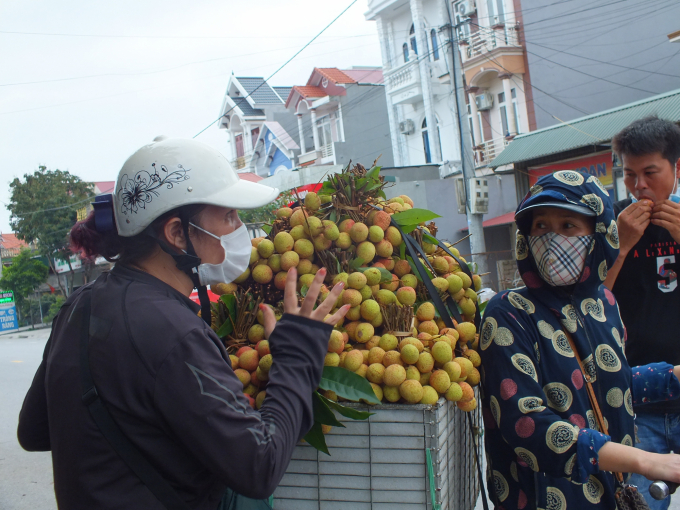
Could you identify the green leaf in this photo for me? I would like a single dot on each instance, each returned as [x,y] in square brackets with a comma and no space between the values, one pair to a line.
[355,264]
[473,267]
[225,329]
[316,438]
[374,172]
[402,251]
[381,194]
[414,216]
[227,326]
[408,228]
[266,228]
[482,307]
[430,238]
[347,385]
[304,290]
[322,412]
[333,216]
[347,412]
[327,189]
[385,275]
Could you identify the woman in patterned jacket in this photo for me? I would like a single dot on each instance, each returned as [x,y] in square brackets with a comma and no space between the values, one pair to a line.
[542,441]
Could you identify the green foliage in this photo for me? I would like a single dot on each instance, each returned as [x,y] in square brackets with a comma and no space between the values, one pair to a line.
[347,385]
[23,276]
[55,305]
[266,213]
[43,209]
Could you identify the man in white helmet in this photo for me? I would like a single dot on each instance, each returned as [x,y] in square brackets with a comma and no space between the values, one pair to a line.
[135,396]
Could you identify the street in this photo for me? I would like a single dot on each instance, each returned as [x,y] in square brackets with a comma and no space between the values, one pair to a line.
[25,478]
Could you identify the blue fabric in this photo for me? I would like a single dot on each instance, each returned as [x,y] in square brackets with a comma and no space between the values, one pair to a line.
[534,401]
[659,433]
[655,382]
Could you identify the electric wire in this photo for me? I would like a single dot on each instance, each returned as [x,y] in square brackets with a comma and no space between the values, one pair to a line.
[283,65]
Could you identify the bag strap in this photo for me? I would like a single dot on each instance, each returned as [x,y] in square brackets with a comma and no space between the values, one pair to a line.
[591,396]
[132,457]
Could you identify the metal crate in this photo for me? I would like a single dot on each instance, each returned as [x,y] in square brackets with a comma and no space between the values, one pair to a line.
[382,463]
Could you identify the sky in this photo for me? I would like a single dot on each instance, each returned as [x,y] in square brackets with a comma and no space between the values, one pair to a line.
[110,77]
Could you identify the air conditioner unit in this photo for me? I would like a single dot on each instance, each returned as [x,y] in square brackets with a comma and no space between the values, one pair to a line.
[466,8]
[484,101]
[407,127]
[478,189]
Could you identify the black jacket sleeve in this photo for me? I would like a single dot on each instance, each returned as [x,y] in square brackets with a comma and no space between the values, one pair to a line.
[202,401]
[34,430]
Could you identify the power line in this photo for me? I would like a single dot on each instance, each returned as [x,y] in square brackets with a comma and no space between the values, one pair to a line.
[282,66]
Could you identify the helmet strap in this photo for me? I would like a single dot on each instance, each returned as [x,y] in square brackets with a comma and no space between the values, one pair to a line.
[187,262]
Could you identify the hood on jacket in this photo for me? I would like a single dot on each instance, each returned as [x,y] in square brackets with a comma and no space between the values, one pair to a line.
[578,189]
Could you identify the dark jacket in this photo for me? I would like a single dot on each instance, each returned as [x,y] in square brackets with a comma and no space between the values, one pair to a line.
[167,381]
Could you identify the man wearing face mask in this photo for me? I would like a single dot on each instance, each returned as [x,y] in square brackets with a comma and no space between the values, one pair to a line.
[644,276]
[542,438]
[153,365]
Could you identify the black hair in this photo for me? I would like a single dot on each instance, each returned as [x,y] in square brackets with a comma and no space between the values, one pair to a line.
[125,250]
[647,136]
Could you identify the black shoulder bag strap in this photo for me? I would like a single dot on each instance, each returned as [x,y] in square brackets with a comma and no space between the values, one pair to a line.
[132,457]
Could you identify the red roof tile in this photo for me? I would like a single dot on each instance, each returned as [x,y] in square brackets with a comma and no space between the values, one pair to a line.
[10,241]
[306,91]
[249,176]
[335,75]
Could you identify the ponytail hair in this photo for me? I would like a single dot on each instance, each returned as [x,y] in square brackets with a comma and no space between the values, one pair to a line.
[92,242]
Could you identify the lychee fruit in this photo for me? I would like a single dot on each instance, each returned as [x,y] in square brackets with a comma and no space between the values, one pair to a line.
[364,332]
[376,373]
[313,226]
[413,373]
[467,331]
[256,333]
[336,343]
[372,275]
[375,234]
[351,297]
[332,359]
[249,360]
[425,362]
[356,280]
[381,219]
[385,297]
[304,248]
[468,406]
[262,274]
[468,392]
[297,218]
[353,314]
[393,236]
[312,201]
[243,376]
[425,312]
[454,393]
[265,363]
[441,284]
[280,280]
[388,342]
[406,296]
[346,225]
[366,251]
[375,355]
[410,354]
[223,288]
[284,212]
[409,280]
[442,353]
[401,268]
[411,391]
[391,286]
[391,393]
[321,243]
[430,396]
[343,241]
[353,360]
[358,232]
[392,358]
[429,327]
[298,232]
[330,230]
[394,375]
[289,259]
[440,381]
[370,309]
[244,276]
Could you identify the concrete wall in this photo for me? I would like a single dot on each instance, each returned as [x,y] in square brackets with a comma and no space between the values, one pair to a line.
[366,127]
[631,34]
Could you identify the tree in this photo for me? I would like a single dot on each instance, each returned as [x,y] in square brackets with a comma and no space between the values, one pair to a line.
[43,209]
[266,213]
[23,276]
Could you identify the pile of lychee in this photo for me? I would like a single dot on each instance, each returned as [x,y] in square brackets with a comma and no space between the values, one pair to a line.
[418,365]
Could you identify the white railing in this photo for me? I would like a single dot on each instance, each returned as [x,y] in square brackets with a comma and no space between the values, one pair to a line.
[307,157]
[241,161]
[327,151]
[488,39]
[403,76]
[487,151]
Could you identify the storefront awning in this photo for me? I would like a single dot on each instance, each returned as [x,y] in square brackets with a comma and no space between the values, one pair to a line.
[503,219]
[587,131]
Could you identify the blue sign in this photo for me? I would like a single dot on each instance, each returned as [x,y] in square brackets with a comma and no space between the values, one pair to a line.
[8,317]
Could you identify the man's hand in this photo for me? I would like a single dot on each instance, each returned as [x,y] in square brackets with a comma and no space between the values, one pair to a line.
[290,302]
[666,214]
[632,223]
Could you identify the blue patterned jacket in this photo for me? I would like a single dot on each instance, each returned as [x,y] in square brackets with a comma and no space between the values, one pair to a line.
[541,435]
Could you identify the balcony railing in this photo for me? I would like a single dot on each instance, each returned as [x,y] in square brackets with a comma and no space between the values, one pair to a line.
[486,40]
[403,76]
[241,161]
[487,151]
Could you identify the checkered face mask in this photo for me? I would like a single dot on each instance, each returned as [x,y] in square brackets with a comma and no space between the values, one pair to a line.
[560,259]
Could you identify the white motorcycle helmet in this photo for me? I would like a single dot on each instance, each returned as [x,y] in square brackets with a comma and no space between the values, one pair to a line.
[173,172]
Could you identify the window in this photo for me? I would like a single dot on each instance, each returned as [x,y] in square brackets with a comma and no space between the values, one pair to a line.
[513,93]
[495,11]
[504,114]
[426,142]
[405,49]
[435,47]
[412,33]
[254,134]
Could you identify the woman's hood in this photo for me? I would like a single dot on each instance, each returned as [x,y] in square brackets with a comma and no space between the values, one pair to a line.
[580,189]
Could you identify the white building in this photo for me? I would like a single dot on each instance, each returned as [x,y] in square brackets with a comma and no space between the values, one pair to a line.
[415,42]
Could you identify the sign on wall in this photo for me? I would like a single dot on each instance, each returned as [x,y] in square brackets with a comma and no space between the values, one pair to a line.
[8,312]
[599,165]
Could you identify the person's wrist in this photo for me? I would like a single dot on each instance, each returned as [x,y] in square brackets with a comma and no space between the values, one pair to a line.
[642,462]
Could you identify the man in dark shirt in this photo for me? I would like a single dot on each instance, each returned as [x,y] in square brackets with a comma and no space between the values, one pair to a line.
[644,276]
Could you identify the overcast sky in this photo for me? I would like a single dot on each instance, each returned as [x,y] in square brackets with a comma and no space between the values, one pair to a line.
[124,72]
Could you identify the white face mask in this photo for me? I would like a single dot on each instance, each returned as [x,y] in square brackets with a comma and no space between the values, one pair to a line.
[237,249]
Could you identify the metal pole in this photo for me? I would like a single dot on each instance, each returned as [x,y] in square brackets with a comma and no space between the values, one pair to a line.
[477,243]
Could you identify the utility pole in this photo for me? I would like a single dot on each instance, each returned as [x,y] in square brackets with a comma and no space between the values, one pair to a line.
[474,220]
